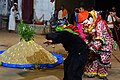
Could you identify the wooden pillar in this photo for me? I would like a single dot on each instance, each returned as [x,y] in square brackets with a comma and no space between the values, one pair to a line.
[27,11]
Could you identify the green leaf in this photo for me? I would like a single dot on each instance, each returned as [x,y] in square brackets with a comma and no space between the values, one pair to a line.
[25,31]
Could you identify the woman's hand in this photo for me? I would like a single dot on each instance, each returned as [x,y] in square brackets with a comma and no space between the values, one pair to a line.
[113,14]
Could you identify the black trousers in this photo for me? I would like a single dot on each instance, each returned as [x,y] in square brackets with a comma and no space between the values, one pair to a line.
[74,67]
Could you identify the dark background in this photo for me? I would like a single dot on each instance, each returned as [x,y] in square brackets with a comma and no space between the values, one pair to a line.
[98,4]
[107,4]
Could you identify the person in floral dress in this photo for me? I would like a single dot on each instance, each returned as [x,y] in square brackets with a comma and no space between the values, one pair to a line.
[101,49]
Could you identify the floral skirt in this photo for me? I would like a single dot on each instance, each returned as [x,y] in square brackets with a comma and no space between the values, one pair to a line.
[99,67]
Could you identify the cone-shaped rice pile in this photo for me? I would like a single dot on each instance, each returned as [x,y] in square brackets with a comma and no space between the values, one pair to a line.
[27,53]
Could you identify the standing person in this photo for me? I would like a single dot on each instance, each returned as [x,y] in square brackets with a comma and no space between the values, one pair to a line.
[12,22]
[116,30]
[111,21]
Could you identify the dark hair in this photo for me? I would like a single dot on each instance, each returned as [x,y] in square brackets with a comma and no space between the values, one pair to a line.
[82,6]
[111,10]
[62,6]
[91,8]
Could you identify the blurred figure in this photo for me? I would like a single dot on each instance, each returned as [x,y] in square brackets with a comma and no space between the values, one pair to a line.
[116,17]
[100,43]
[62,13]
[12,22]
[54,19]
[117,28]
[74,17]
[82,15]
[55,15]
[113,24]
[111,19]
[114,9]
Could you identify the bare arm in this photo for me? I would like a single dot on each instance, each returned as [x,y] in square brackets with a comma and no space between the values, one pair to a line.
[117,18]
